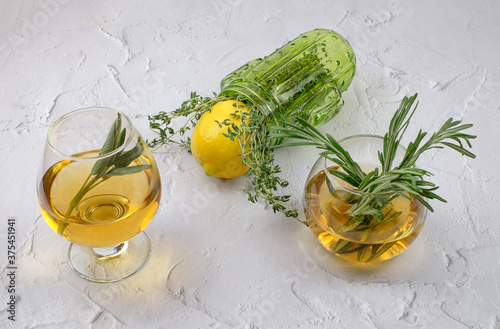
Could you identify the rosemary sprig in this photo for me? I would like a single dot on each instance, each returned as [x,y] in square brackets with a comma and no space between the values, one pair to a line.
[115,165]
[402,179]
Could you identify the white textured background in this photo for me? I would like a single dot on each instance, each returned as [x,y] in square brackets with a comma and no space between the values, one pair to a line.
[219,261]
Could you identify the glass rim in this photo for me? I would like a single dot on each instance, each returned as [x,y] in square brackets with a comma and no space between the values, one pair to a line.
[333,179]
[89,158]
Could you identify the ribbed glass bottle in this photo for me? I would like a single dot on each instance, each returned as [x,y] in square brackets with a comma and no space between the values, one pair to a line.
[305,77]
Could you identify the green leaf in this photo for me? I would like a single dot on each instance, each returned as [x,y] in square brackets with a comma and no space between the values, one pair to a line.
[124,159]
[113,136]
[100,166]
[123,134]
[109,145]
[343,247]
[425,203]
[460,149]
[126,170]
[379,249]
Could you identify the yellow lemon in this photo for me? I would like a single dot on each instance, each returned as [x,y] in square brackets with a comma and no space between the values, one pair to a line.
[216,153]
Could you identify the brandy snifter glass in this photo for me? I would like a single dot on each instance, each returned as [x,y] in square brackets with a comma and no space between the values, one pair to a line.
[329,203]
[99,187]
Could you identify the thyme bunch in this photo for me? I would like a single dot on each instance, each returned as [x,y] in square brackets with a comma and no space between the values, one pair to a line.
[192,109]
[253,134]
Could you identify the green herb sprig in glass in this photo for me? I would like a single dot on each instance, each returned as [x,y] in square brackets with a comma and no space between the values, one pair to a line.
[401,179]
[115,165]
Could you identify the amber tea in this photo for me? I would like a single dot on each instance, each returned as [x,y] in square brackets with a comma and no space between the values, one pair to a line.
[326,212]
[112,212]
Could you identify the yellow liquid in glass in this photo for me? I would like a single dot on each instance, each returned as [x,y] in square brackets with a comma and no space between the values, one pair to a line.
[325,215]
[111,213]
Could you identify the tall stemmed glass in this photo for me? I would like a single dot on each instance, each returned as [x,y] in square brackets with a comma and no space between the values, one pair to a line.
[99,187]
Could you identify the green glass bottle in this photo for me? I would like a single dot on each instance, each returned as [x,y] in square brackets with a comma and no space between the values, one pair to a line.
[305,77]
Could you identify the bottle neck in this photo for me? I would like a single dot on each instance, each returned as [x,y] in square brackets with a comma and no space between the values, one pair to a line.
[253,93]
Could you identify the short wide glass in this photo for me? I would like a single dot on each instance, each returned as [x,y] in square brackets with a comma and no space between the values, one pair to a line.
[328,202]
[99,187]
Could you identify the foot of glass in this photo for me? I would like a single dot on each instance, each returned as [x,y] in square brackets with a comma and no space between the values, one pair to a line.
[112,263]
